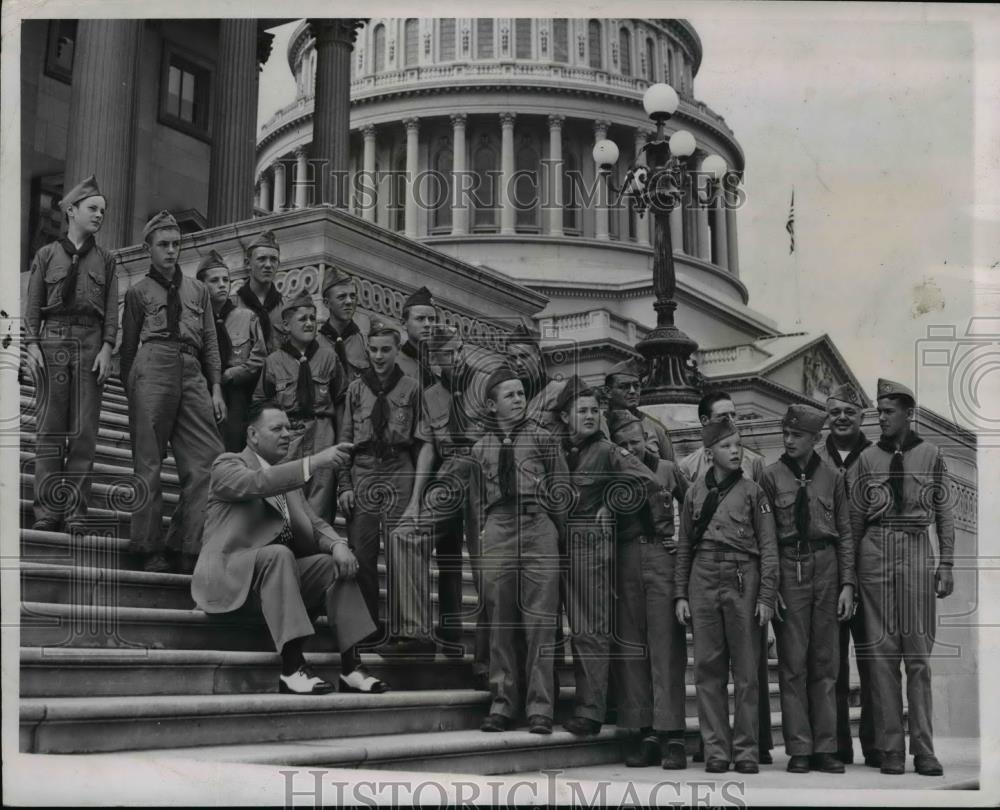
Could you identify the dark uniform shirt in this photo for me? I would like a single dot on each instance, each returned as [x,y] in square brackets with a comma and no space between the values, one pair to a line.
[355,349]
[96,290]
[447,422]
[279,332]
[145,319]
[926,495]
[279,381]
[249,349]
[829,513]
[742,522]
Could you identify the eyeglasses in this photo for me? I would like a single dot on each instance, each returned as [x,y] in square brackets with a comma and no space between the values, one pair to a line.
[629,386]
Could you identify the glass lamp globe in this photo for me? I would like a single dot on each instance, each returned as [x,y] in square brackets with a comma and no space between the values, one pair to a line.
[714,165]
[682,144]
[660,101]
[605,153]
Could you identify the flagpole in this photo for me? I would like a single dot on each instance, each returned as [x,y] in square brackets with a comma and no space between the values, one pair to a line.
[790,228]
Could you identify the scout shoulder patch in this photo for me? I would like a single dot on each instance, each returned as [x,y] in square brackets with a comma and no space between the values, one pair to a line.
[765,507]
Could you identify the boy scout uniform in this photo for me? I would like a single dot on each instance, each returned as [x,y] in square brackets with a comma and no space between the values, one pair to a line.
[650,687]
[168,400]
[724,575]
[816,557]
[381,473]
[242,352]
[350,345]
[409,353]
[657,437]
[520,557]
[902,491]
[269,310]
[855,625]
[313,424]
[71,311]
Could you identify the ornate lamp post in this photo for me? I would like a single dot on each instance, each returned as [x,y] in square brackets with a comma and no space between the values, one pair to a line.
[671,374]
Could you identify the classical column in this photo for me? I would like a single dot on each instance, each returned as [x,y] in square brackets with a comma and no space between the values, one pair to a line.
[732,246]
[234,123]
[459,181]
[334,40]
[702,235]
[642,224]
[102,119]
[265,192]
[719,233]
[507,173]
[412,155]
[301,177]
[279,185]
[555,201]
[601,209]
[368,184]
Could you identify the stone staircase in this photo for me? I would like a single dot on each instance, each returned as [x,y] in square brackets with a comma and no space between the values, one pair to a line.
[114,659]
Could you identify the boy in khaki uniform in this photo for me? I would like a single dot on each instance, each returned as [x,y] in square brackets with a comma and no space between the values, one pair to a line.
[340,331]
[651,688]
[242,349]
[259,294]
[816,555]
[727,563]
[302,377]
[71,321]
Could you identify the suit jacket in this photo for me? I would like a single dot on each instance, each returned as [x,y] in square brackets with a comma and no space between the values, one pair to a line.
[242,517]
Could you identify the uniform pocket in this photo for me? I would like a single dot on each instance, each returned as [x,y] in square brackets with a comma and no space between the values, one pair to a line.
[284,393]
[96,287]
[822,514]
[241,351]
[784,511]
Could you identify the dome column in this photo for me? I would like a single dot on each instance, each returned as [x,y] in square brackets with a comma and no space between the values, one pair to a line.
[301,178]
[459,179]
[719,240]
[601,198]
[732,246]
[265,192]
[555,201]
[507,173]
[279,185]
[412,156]
[368,181]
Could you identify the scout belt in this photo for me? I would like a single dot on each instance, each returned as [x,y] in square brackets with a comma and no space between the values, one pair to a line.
[187,348]
[75,319]
[803,546]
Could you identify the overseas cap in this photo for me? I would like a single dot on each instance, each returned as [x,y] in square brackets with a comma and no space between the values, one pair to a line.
[627,368]
[714,432]
[888,388]
[421,298]
[213,259]
[846,393]
[377,328]
[264,239]
[501,374]
[79,192]
[573,388]
[159,221]
[804,418]
[334,276]
[303,299]
[621,419]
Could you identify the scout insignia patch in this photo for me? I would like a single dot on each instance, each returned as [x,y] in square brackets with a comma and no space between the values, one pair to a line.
[765,508]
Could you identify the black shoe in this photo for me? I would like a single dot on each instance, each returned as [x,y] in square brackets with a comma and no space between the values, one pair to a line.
[303,682]
[873,759]
[927,765]
[47,525]
[893,762]
[494,722]
[646,753]
[827,763]
[846,756]
[798,763]
[539,724]
[675,756]
[582,726]
[156,563]
[765,757]
[747,766]
[716,766]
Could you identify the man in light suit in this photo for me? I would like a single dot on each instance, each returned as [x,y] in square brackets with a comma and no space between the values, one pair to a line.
[264,542]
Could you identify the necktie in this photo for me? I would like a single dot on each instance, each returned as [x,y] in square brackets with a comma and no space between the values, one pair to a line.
[285,535]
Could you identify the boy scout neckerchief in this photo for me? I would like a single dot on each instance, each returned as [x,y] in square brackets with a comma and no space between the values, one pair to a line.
[896,465]
[225,343]
[172,286]
[852,456]
[263,310]
[427,376]
[337,339]
[75,254]
[380,413]
[574,451]
[304,392]
[506,465]
[716,494]
[802,516]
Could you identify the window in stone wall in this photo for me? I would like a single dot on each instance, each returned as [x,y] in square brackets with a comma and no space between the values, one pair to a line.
[412,42]
[484,38]
[570,198]
[594,44]
[60,49]
[526,187]
[485,196]
[446,39]
[397,193]
[668,65]
[378,49]
[625,51]
[439,187]
[44,217]
[560,39]
[650,59]
[185,86]
[522,34]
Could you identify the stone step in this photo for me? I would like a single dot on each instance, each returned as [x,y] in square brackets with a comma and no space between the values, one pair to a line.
[108,522]
[105,471]
[83,672]
[112,397]
[114,491]
[113,414]
[88,725]
[113,436]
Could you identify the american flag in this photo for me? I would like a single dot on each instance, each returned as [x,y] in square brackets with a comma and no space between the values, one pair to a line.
[790,225]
